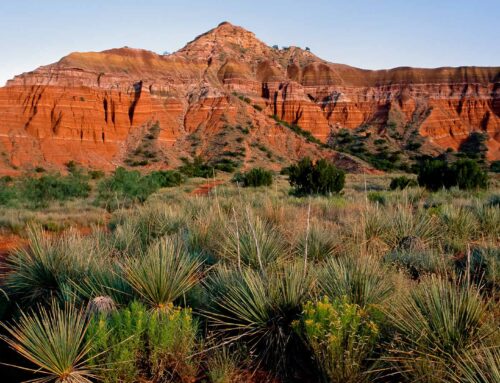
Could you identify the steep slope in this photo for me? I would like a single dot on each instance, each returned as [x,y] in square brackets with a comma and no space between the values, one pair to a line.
[215,98]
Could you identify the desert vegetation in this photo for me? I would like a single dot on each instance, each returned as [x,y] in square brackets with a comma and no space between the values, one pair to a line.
[322,277]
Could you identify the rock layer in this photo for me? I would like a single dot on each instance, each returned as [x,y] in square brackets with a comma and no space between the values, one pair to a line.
[94,107]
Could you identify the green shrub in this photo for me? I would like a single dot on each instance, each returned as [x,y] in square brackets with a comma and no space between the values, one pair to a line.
[469,175]
[377,197]
[38,192]
[166,178]
[436,174]
[125,187]
[402,182]
[118,343]
[255,177]
[8,193]
[135,344]
[172,341]
[475,146]
[196,168]
[321,177]
[341,337]
[495,166]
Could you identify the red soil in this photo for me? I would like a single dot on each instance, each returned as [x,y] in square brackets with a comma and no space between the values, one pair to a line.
[205,188]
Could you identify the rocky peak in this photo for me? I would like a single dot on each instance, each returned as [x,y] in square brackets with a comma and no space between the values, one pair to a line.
[226,40]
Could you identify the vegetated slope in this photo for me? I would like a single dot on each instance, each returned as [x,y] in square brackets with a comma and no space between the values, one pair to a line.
[215,98]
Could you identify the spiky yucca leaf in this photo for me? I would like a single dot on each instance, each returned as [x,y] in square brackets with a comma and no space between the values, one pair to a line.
[253,242]
[259,307]
[43,270]
[436,323]
[361,280]
[54,340]
[478,366]
[163,274]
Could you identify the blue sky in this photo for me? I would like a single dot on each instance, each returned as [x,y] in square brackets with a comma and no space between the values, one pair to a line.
[364,33]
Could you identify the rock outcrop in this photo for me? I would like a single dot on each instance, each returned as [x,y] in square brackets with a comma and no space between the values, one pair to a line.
[217,95]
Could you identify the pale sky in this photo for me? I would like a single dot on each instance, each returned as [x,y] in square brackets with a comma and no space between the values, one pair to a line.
[368,34]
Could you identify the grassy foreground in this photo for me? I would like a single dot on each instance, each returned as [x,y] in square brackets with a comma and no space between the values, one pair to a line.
[254,284]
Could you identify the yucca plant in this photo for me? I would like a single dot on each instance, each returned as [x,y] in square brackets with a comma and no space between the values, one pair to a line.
[259,308]
[404,221]
[163,274]
[361,280]
[459,222]
[477,366]
[43,270]
[435,324]
[320,243]
[53,339]
[489,220]
[418,264]
[106,279]
[253,242]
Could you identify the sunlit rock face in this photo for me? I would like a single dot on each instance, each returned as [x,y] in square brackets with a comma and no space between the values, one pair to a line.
[94,108]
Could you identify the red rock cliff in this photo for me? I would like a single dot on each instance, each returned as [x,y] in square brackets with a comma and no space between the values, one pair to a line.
[95,108]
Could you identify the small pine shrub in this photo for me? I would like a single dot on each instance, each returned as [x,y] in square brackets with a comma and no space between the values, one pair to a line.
[341,337]
[320,177]
[469,175]
[402,183]
[255,177]
[166,178]
[495,166]
[434,175]
[196,168]
[466,174]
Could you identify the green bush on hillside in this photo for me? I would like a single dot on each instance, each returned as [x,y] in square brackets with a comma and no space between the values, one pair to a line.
[38,192]
[320,177]
[124,187]
[435,174]
[402,183]
[196,168]
[255,177]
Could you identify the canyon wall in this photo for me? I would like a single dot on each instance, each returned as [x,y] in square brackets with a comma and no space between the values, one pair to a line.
[95,108]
